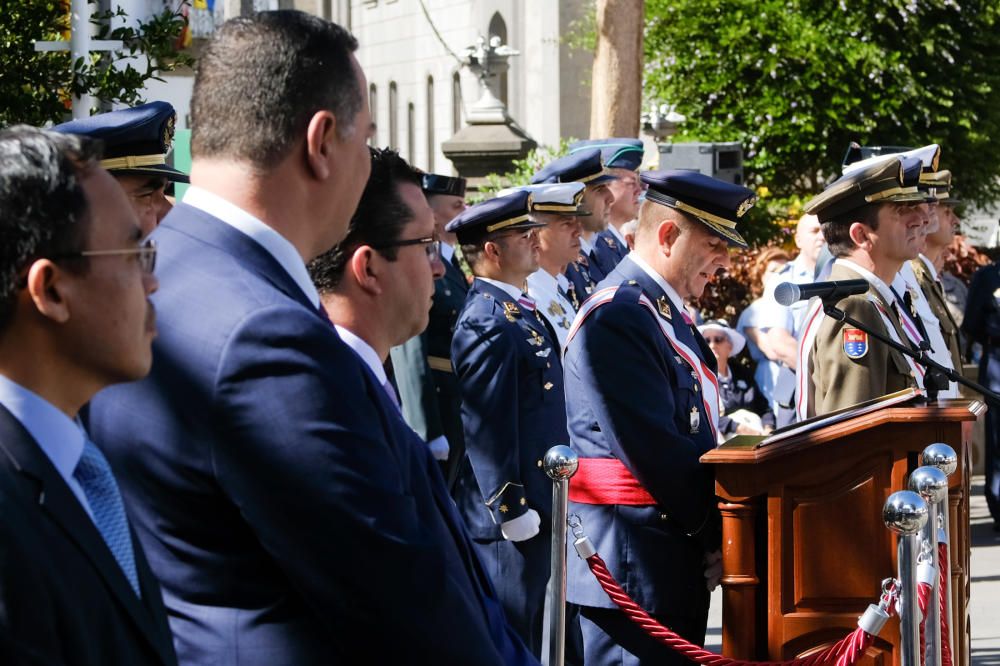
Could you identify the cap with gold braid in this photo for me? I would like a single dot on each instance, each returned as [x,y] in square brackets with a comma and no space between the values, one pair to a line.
[558,198]
[584,167]
[715,203]
[885,181]
[506,213]
[136,140]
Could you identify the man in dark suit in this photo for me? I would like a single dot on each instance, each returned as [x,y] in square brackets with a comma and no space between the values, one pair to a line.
[585,166]
[75,587]
[288,519]
[422,365]
[643,400]
[507,363]
[376,286]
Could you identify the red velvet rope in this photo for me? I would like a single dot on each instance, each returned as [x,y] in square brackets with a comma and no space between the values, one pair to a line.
[846,651]
[944,566]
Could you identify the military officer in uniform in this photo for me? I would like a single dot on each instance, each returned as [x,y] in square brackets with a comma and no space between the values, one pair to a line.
[587,167]
[509,374]
[982,324]
[621,157]
[421,366]
[643,400]
[872,222]
[559,208]
[136,143]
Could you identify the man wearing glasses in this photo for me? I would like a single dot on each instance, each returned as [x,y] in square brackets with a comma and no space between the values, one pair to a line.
[136,144]
[75,317]
[513,409]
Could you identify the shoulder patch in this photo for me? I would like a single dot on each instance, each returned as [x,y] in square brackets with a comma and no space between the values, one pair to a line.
[855,343]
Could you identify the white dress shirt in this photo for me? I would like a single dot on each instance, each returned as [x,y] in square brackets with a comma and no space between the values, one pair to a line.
[906,280]
[274,243]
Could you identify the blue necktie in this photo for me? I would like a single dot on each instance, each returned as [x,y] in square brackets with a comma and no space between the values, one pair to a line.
[101,490]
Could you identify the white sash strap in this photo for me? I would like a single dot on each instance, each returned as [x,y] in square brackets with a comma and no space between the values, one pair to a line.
[918,372]
[812,320]
[706,378]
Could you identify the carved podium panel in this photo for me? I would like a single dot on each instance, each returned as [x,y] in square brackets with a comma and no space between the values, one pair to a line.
[804,546]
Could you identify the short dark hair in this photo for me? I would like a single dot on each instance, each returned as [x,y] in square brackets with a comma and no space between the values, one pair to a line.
[837,230]
[43,208]
[262,77]
[378,220]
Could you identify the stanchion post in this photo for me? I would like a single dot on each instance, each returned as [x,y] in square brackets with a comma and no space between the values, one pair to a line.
[560,464]
[905,513]
[945,459]
[931,484]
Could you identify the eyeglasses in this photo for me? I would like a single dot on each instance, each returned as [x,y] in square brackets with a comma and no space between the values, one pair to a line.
[146,253]
[717,339]
[433,246]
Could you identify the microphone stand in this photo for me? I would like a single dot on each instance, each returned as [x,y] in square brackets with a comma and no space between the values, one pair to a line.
[934,368]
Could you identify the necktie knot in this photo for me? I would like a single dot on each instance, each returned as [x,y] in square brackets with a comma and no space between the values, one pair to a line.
[101,490]
[687,318]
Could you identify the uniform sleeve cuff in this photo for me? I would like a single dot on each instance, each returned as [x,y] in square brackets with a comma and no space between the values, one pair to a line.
[521,528]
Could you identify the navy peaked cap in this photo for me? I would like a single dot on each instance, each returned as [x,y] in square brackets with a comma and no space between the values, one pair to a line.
[509,212]
[715,203]
[434,183]
[136,140]
[584,167]
[616,153]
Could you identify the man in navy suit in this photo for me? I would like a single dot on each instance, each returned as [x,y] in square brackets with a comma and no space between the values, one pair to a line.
[585,166]
[75,277]
[643,400]
[422,365]
[507,363]
[289,519]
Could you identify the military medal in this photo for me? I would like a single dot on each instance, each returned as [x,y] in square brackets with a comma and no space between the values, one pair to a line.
[695,420]
[664,308]
[855,343]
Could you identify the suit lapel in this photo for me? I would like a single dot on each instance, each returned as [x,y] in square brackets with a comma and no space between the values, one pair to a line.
[198,224]
[61,505]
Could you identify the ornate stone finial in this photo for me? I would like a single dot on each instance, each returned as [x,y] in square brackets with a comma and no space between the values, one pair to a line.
[488,59]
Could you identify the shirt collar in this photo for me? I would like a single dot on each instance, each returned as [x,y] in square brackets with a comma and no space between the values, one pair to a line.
[510,289]
[585,246]
[930,267]
[799,273]
[365,352]
[447,251]
[873,279]
[664,285]
[276,245]
[617,234]
[60,437]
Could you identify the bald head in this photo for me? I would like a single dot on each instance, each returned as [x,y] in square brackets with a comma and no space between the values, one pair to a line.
[809,239]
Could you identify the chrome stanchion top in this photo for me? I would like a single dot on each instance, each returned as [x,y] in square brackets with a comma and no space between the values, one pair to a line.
[941,456]
[930,482]
[560,462]
[905,512]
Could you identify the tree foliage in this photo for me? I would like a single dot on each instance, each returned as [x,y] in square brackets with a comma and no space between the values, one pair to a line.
[797,80]
[36,87]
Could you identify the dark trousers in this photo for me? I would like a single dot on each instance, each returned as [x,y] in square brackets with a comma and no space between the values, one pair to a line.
[611,639]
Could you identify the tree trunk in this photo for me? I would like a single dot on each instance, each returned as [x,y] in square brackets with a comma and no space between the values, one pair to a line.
[616,94]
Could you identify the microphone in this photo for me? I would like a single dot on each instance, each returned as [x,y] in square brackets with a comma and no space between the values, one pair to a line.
[787,293]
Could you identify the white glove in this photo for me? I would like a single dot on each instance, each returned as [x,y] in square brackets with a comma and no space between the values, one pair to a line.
[713,569]
[439,448]
[521,528]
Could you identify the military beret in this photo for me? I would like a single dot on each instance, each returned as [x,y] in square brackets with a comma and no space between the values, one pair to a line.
[715,203]
[433,183]
[506,213]
[615,153]
[136,140]
[581,167]
[561,198]
[880,182]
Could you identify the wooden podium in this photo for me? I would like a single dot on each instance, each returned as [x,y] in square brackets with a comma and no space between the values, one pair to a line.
[804,546]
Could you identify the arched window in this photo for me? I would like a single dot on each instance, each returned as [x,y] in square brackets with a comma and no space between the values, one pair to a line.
[393,117]
[431,146]
[373,106]
[498,28]
[411,133]
[456,103]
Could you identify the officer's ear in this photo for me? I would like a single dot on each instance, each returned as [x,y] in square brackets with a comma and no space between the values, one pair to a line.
[363,267]
[861,235]
[321,143]
[666,235]
[48,288]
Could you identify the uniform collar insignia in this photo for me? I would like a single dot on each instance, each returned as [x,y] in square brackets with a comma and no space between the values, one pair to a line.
[664,307]
[555,309]
[611,243]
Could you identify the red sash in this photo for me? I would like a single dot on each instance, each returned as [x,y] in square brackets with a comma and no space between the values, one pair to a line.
[607,481]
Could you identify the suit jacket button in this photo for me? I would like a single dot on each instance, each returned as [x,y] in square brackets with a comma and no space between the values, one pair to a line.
[663,516]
